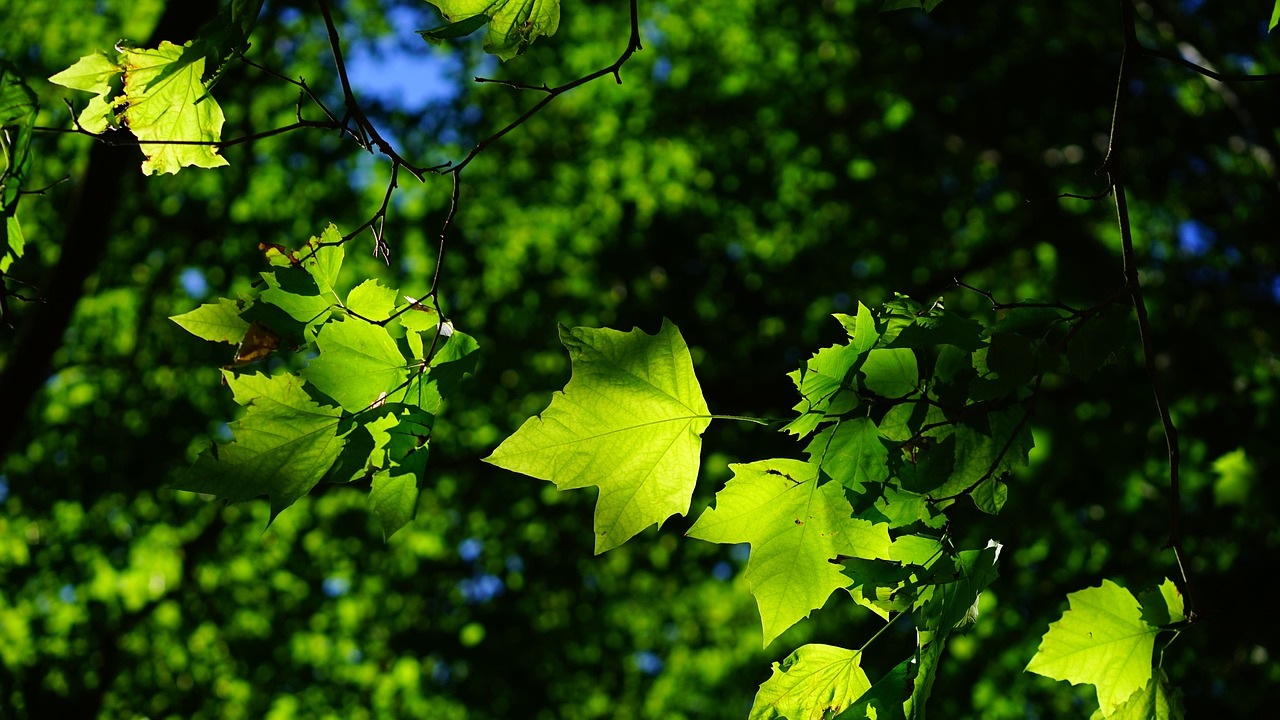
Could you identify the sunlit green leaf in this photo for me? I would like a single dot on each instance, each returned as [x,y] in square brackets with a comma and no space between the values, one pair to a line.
[217,322]
[91,73]
[167,101]
[795,528]
[1101,640]
[813,683]
[629,421]
[358,364]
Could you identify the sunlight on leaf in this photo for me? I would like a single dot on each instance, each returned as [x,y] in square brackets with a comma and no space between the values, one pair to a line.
[1101,640]
[629,422]
[814,682]
[167,101]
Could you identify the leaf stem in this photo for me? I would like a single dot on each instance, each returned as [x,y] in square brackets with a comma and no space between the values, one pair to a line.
[744,418]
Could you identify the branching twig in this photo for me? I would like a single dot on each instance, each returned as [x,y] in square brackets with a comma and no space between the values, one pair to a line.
[551,93]
[1133,285]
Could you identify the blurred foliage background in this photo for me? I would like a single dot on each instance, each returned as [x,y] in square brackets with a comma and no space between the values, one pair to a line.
[763,164]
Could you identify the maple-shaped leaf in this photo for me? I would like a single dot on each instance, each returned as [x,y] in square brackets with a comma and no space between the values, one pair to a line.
[283,445]
[814,682]
[629,421]
[795,528]
[167,101]
[219,322]
[1101,640]
[513,24]
[358,363]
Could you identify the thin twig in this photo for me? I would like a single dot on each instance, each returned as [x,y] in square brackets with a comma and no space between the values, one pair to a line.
[1133,284]
[1212,74]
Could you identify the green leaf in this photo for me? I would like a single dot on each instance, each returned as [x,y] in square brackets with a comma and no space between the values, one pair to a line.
[17,101]
[394,499]
[283,445]
[394,494]
[217,322]
[629,421]
[15,242]
[1101,640]
[795,528]
[359,363]
[933,328]
[91,73]
[1163,605]
[322,258]
[928,656]
[167,101]
[823,387]
[370,299]
[1275,17]
[295,294]
[99,74]
[814,682]
[513,24]
[862,329]
[851,453]
[884,701]
[954,603]
[891,373]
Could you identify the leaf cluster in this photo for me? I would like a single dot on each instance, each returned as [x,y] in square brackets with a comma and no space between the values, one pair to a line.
[379,368]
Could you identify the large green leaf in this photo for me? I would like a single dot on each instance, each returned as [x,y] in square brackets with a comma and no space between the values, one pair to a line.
[795,528]
[814,682]
[629,421]
[1101,640]
[359,363]
[166,101]
[513,24]
[283,445]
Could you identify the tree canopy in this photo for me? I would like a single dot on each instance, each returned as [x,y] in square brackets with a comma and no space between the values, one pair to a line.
[734,358]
